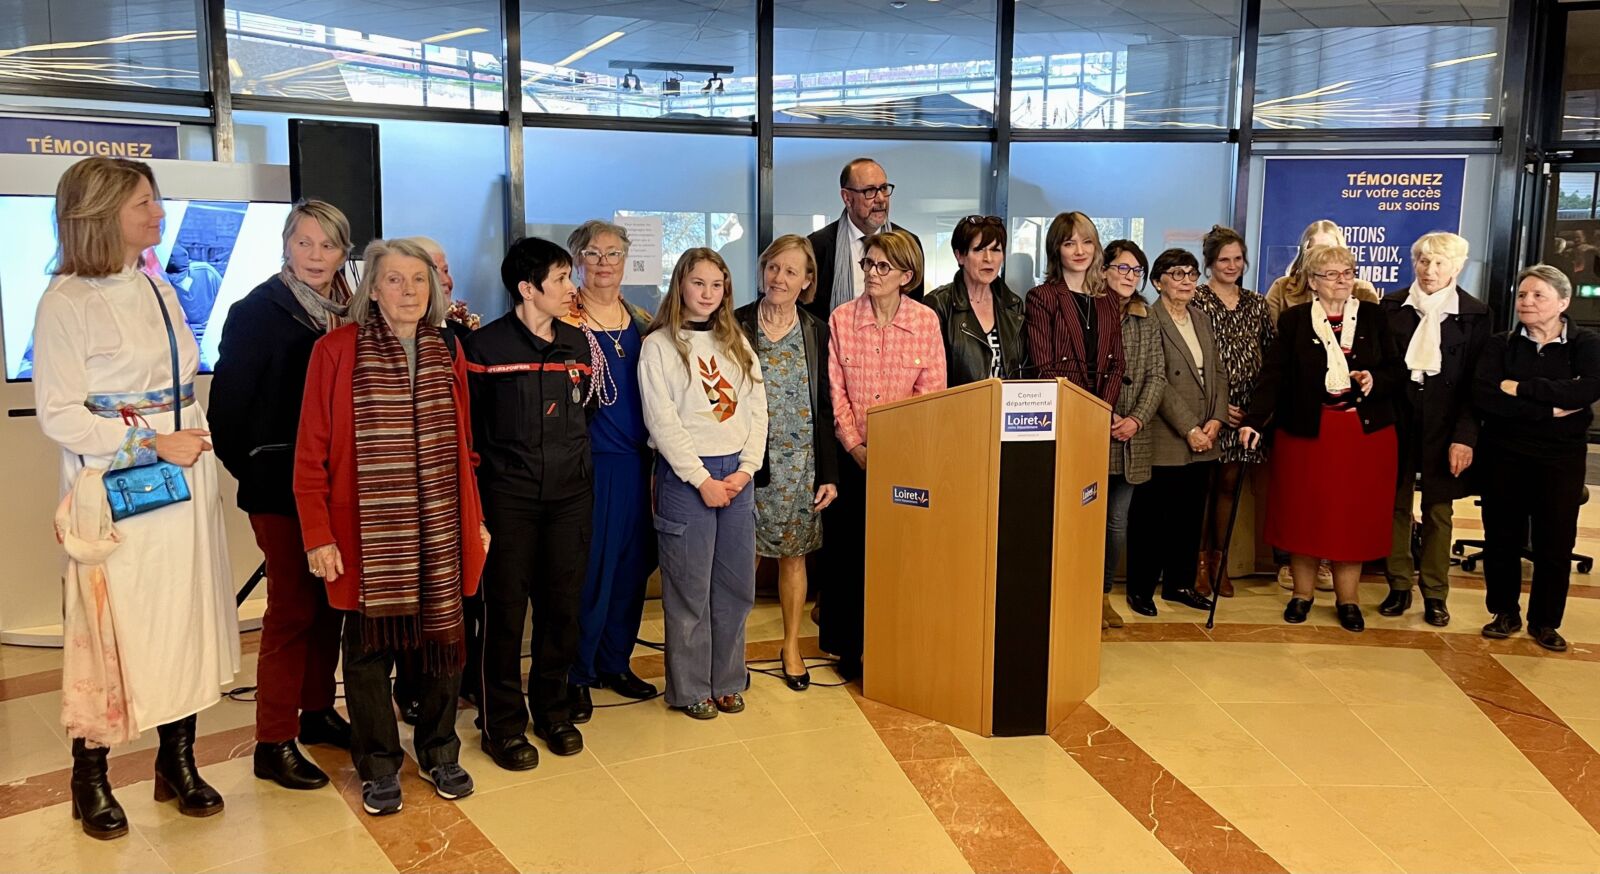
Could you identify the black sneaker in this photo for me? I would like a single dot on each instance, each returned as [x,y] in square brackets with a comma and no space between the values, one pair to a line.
[449,780]
[1503,626]
[381,797]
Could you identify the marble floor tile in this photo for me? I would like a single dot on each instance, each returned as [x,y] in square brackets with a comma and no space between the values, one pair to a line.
[1201,744]
[1324,744]
[1416,829]
[575,822]
[1566,687]
[837,777]
[1298,828]
[650,728]
[348,851]
[913,845]
[772,708]
[800,855]
[1097,834]
[490,777]
[1238,673]
[709,801]
[1371,675]
[1452,747]
[47,841]
[31,745]
[1537,831]
[1141,673]
[1031,769]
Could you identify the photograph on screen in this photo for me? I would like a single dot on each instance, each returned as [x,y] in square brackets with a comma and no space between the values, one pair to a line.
[212,252]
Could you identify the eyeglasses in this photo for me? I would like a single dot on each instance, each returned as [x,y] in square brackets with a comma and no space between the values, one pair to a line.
[1336,275]
[871,192]
[881,268]
[982,220]
[595,256]
[1183,275]
[1133,270]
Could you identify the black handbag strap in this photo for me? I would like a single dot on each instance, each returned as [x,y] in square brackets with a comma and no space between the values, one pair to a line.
[172,347]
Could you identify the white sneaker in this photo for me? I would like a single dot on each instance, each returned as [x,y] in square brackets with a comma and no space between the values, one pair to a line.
[1324,578]
[1285,578]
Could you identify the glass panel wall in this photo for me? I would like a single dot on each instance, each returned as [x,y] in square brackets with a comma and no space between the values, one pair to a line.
[364,51]
[702,187]
[1352,64]
[1580,78]
[1092,65]
[139,43]
[661,59]
[910,63]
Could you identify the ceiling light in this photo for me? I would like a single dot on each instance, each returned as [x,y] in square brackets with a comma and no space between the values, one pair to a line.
[455,33]
[1453,61]
[235,69]
[602,41]
[898,4]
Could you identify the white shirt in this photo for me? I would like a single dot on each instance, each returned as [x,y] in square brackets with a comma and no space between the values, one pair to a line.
[858,277]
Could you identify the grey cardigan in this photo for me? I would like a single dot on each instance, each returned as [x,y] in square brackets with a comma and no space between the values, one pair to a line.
[1145,365]
[1189,400]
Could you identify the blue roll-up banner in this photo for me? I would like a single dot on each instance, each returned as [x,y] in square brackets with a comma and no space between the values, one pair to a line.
[1383,204]
[81,138]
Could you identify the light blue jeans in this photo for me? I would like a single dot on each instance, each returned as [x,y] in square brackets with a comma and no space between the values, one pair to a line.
[708,583]
[1117,504]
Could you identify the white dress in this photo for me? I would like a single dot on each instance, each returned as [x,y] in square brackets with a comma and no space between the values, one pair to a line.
[171,594]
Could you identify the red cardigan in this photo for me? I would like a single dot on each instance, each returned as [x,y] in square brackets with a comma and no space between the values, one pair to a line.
[325,467]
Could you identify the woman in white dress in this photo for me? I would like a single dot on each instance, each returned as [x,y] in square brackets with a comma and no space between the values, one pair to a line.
[151,633]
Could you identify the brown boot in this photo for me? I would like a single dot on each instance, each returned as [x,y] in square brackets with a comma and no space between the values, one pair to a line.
[1219,576]
[1202,575]
[1109,617]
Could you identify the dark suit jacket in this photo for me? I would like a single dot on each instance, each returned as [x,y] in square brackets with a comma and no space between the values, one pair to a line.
[1291,390]
[822,242]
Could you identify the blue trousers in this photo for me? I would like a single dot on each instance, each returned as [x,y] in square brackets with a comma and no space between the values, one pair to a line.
[621,557]
[1117,504]
[708,583]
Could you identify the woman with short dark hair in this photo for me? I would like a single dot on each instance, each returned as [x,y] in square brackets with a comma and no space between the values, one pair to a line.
[980,316]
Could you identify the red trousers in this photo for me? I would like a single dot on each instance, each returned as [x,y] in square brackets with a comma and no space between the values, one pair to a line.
[299,634]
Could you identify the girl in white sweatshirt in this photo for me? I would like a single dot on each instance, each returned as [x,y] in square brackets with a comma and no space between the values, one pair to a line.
[706,409]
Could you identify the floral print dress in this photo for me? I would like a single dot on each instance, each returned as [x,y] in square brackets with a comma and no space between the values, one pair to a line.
[1242,335]
[785,525]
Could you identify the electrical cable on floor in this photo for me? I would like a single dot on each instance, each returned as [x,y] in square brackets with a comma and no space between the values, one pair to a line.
[778,672]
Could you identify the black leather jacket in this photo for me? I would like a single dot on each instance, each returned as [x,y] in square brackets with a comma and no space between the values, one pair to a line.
[966,351]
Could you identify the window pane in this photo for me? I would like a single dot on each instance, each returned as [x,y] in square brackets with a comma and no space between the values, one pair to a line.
[363,51]
[469,224]
[1348,63]
[1088,64]
[1580,77]
[936,184]
[1159,195]
[151,43]
[702,187]
[914,63]
[673,58]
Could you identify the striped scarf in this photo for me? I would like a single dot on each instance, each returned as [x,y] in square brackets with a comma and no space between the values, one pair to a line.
[407,498]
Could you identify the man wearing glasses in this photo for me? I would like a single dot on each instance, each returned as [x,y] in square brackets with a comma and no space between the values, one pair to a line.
[866,190]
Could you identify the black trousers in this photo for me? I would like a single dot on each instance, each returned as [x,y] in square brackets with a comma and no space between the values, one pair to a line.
[408,665]
[1164,528]
[1530,501]
[844,556]
[538,553]
[374,737]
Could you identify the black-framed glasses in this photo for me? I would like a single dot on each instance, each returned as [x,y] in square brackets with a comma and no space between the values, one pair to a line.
[871,192]
[881,268]
[1133,270]
[1183,275]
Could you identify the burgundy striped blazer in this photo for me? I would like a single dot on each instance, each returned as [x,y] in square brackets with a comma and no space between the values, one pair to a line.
[1055,340]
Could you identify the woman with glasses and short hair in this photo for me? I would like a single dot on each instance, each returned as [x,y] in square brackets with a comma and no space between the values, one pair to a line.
[1169,509]
[981,317]
[1327,388]
[622,552]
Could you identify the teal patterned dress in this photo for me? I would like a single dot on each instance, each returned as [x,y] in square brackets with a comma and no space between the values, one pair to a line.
[785,525]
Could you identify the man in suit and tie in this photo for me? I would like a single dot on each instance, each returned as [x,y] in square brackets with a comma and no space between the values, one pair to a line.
[866,190]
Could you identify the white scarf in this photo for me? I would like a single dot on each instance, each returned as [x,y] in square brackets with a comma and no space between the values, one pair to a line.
[1423,355]
[844,261]
[95,704]
[1337,380]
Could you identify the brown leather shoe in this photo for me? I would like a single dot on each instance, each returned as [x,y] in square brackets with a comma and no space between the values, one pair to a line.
[1109,617]
[1202,575]
[1219,575]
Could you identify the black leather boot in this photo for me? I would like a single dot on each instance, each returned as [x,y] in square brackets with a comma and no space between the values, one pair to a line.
[176,774]
[92,802]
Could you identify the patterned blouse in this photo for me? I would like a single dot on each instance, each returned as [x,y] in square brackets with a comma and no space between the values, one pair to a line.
[1242,335]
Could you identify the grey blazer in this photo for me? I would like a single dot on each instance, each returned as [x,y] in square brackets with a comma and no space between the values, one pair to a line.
[1189,400]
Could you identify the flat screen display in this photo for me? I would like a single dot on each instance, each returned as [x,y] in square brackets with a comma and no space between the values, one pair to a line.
[211,251]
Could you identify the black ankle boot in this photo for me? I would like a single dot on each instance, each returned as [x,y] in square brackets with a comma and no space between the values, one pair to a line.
[92,802]
[176,774]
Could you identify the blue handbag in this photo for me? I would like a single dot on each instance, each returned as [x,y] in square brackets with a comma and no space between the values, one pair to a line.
[135,490]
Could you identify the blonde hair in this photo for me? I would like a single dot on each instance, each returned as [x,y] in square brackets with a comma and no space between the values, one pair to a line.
[725,330]
[363,306]
[1443,244]
[1320,226]
[793,243]
[326,215]
[1322,256]
[89,201]
[901,250]
[1065,225]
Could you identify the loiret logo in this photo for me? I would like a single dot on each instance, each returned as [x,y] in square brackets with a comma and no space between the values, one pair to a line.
[1028,423]
[910,497]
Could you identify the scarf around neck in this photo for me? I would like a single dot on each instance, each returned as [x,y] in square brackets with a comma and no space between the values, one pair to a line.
[407,499]
[326,312]
[1337,379]
[1423,354]
[844,277]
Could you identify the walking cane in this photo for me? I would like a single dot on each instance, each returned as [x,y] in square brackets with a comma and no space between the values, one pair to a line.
[1227,541]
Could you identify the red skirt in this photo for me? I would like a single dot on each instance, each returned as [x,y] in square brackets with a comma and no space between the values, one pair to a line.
[1333,496]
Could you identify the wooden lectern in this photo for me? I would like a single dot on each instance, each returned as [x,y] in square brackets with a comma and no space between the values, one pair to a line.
[986,528]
